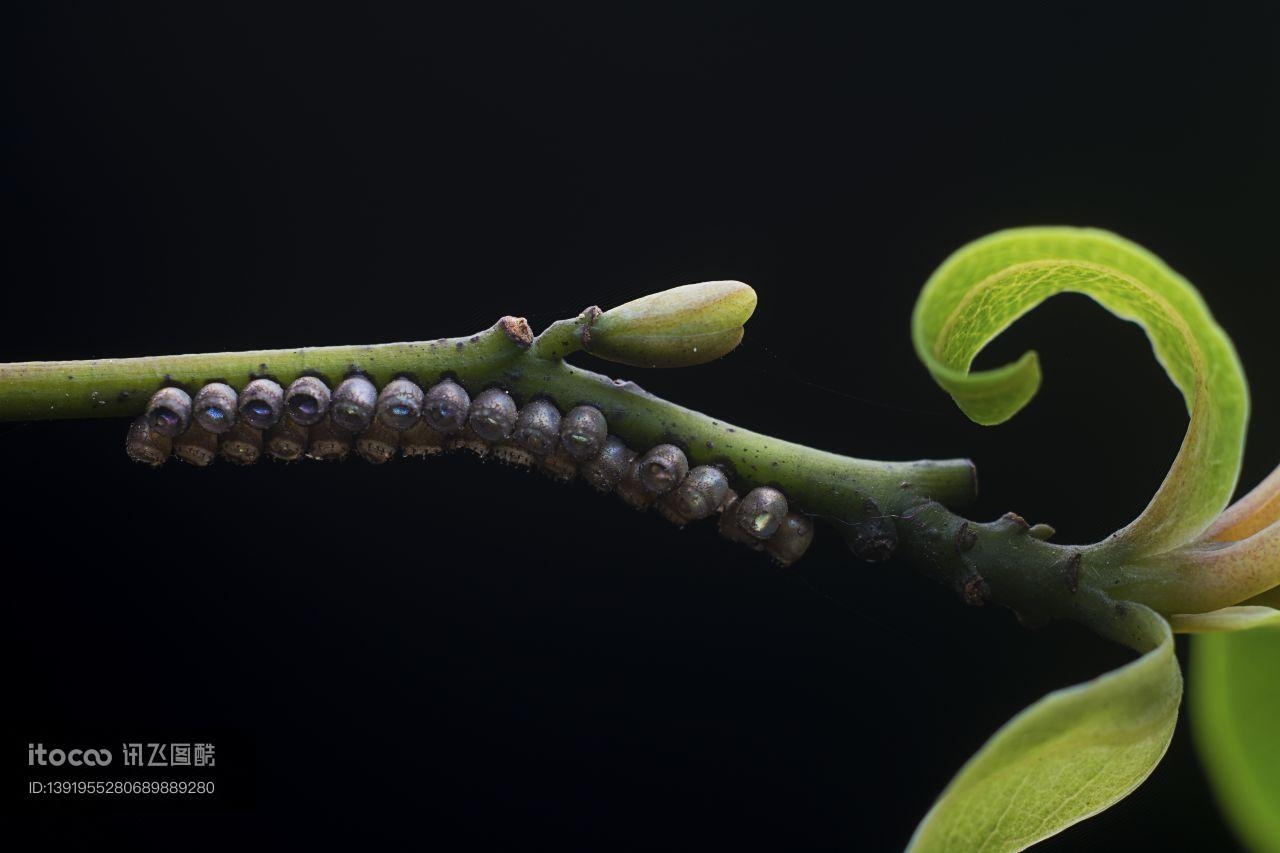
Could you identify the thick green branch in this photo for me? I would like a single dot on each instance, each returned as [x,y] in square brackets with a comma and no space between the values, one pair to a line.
[1002,562]
[826,484]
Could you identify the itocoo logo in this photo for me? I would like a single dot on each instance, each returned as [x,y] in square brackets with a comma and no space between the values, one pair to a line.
[37,754]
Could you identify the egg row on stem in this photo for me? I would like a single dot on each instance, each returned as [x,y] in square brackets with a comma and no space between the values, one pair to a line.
[308,420]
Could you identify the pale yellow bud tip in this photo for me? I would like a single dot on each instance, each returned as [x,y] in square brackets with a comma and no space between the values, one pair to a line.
[683,326]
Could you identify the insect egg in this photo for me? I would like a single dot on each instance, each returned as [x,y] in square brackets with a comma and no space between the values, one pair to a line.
[287,441]
[794,535]
[632,490]
[169,411]
[610,465]
[242,445]
[761,511]
[400,404]
[197,446]
[261,403]
[144,444]
[328,442]
[662,468]
[493,415]
[421,440]
[538,427]
[307,401]
[559,465]
[353,403]
[582,432]
[446,406]
[379,443]
[698,496]
[215,407]
[729,527]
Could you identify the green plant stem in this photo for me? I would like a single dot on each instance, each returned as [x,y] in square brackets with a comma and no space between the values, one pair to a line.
[823,482]
[998,562]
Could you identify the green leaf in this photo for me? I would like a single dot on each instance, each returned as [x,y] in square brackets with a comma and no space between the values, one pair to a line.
[985,286]
[1235,715]
[1067,757]
[683,326]
[1226,619]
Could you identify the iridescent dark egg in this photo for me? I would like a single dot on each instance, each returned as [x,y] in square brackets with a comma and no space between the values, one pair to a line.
[632,490]
[610,465]
[761,510]
[446,407]
[353,404]
[663,468]
[538,427]
[261,403]
[169,411]
[582,432]
[400,404]
[493,415]
[214,407]
[729,527]
[698,496]
[307,401]
[792,539]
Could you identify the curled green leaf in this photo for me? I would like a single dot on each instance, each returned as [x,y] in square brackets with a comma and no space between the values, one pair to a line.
[985,286]
[679,327]
[1235,706]
[1065,758]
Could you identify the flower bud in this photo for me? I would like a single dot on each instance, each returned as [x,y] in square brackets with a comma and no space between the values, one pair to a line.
[215,407]
[662,468]
[261,403]
[679,327]
[307,401]
[169,411]
[353,404]
[582,432]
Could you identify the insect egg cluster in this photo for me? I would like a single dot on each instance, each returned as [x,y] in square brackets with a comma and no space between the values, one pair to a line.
[308,420]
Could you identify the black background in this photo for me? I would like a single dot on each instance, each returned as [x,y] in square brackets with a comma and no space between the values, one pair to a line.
[464,655]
